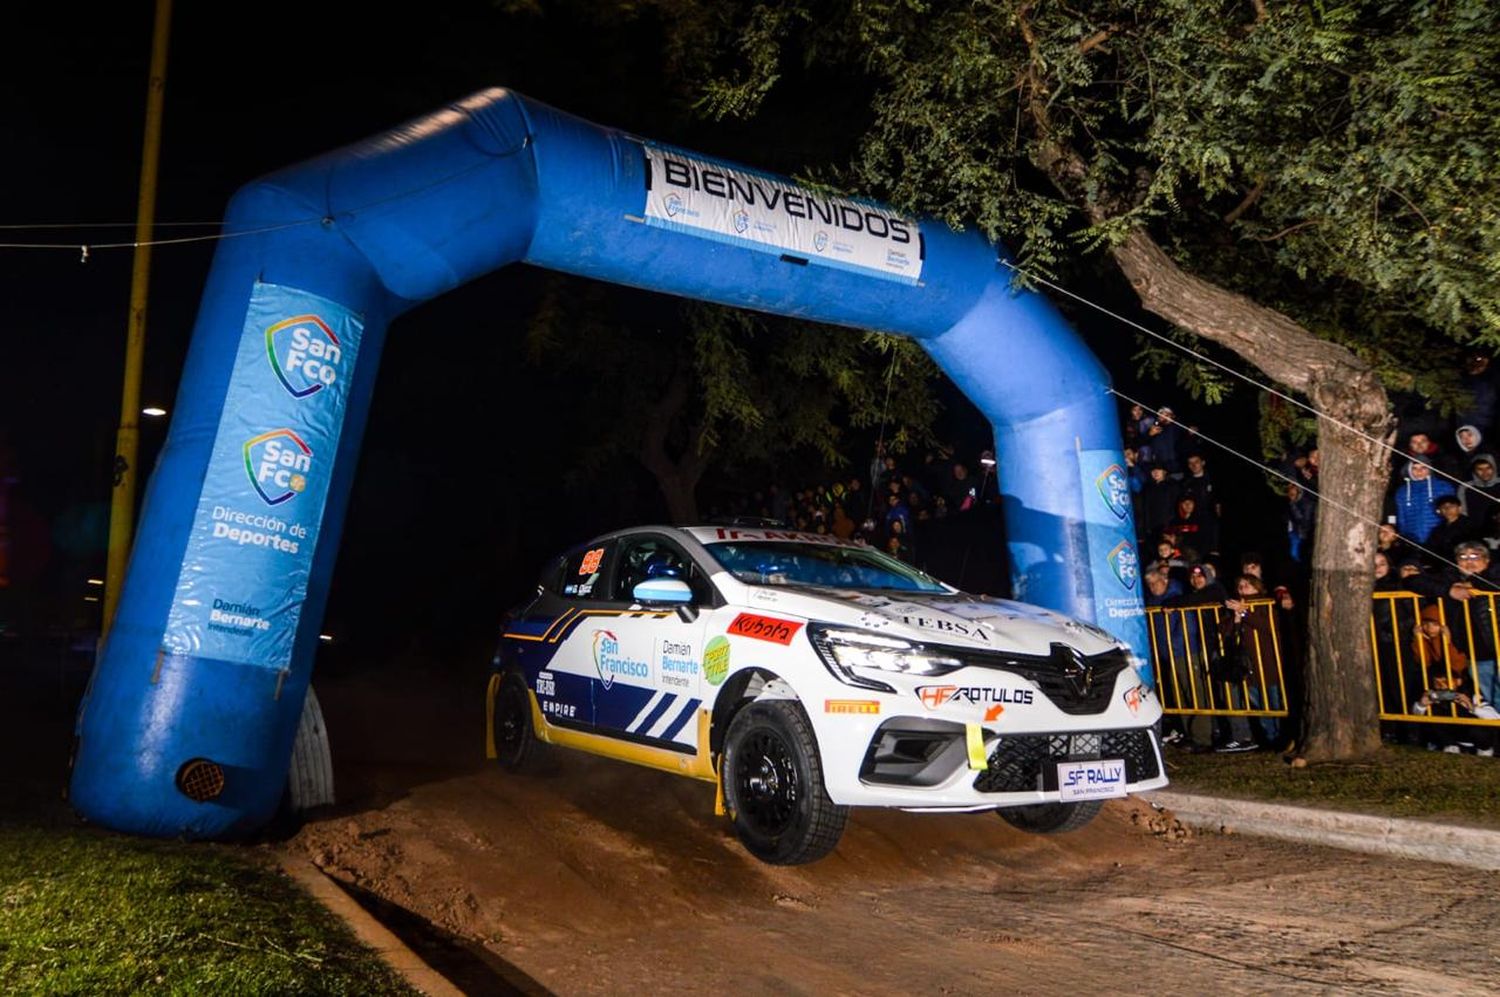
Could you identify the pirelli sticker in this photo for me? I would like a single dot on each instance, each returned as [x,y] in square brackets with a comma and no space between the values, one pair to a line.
[767,628]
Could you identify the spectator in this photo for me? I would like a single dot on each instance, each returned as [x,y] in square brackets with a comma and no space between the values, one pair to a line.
[1205,590]
[1389,542]
[1178,639]
[1468,437]
[1453,528]
[1468,592]
[1197,528]
[1480,495]
[1254,628]
[1168,442]
[1301,515]
[960,491]
[1398,674]
[1421,448]
[1479,378]
[1158,501]
[1200,486]
[1415,501]
[1170,563]
[1453,738]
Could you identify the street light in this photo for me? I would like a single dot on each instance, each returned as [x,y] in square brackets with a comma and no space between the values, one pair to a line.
[154,412]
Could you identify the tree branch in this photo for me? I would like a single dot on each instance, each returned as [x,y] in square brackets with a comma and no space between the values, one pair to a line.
[1245,204]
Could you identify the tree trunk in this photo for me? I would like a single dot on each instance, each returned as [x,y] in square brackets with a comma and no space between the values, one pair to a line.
[1341,701]
[1341,719]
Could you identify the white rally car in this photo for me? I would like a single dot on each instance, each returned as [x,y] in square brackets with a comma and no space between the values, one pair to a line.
[805,675]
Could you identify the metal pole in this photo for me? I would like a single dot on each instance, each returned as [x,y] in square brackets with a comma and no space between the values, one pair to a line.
[122,499]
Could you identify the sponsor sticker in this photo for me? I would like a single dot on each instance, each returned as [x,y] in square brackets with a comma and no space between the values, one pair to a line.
[767,628]
[973,631]
[716,660]
[677,664]
[612,664]
[1135,697]
[851,706]
[936,696]
[1102,779]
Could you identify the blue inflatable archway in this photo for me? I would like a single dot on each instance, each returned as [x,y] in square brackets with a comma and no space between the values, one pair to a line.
[212,647]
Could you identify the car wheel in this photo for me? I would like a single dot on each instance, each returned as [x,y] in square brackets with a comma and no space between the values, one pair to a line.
[1051,818]
[773,785]
[515,739]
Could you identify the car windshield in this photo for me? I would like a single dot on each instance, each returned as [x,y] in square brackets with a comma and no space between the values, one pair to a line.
[831,565]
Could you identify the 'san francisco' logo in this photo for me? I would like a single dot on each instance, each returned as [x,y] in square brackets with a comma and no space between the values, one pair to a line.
[1114,488]
[305,354]
[278,464]
[1124,563]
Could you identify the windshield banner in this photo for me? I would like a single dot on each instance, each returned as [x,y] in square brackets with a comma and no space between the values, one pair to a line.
[244,574]
[731,204]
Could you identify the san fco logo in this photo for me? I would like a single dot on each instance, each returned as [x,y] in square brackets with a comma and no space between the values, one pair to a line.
[1124,563]
[305,354]
[610,663]
[278,464]
[1115,490]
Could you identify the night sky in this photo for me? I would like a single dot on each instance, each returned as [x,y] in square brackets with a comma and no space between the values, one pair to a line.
[274,85]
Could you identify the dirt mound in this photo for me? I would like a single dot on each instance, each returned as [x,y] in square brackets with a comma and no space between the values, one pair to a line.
[585,856]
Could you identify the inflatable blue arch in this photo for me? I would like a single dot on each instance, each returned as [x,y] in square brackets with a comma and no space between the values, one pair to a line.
[211,652]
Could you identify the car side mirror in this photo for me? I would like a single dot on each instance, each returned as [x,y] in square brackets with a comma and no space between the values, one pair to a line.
[669,591]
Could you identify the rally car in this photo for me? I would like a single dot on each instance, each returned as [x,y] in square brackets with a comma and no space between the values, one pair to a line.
[805,675]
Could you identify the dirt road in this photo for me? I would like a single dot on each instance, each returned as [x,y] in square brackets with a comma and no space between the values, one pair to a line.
[597,877]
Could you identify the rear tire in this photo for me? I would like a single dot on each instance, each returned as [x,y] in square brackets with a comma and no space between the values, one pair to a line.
[773,785]
[515,737]
[1051,818]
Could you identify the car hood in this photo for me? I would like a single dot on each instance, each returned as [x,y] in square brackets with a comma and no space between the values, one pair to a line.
[957,619]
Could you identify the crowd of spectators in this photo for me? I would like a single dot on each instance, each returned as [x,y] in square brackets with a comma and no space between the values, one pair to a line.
[1436,652]
[891,508]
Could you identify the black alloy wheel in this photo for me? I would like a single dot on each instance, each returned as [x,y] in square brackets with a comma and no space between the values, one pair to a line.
[515,740]
[773,785]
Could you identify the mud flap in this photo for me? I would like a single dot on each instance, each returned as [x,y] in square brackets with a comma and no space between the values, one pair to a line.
[489,716]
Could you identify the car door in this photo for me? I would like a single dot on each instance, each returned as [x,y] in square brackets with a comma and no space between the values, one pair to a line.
[551,640]
[647,659]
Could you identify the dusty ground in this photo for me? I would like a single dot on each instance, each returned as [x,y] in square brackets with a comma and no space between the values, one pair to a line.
[597,877]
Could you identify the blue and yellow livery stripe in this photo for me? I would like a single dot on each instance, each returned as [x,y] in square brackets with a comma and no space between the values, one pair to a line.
[558,629]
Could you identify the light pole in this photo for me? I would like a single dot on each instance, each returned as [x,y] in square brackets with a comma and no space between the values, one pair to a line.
[127,437]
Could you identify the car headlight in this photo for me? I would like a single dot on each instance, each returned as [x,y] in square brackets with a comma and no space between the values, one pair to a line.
[846,652]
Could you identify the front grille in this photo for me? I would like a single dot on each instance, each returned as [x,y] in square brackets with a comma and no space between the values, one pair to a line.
[1023,763]
[1075,684]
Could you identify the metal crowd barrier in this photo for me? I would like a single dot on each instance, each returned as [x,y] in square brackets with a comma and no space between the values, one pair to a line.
[1183,644]
[1402,669]
[1185,640]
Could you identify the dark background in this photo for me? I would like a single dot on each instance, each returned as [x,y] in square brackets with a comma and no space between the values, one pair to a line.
[252,89]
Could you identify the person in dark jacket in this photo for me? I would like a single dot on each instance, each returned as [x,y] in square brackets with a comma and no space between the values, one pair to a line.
[1468,594]
[1158,501]
[1394,616]
[1453,528]
[1480,495]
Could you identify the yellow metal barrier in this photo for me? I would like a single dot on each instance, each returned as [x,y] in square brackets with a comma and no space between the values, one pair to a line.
[1404,670]
[1184,643]
[1185,640]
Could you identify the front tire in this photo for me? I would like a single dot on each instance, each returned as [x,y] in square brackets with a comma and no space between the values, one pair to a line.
[1051,818]
[514,736]
[773,785]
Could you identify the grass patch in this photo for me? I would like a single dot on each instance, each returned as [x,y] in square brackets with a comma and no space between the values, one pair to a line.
[1397,782]
[85,911]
